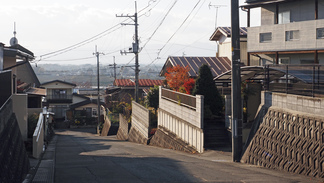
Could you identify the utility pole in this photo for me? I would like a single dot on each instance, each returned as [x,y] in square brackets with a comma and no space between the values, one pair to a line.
[236,84]
[135,48]
[114,66]
[98,88]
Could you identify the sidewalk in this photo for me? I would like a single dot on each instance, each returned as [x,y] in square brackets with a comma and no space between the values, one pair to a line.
[43,169]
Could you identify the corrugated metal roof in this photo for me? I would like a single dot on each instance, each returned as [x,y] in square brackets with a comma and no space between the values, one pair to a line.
[226,31]
[141,82]
[218,65]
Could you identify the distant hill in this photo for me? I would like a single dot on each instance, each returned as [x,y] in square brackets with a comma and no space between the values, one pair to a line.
[86,74]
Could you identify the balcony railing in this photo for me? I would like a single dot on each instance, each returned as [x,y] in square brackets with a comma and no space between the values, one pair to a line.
[59,99]
[305,80]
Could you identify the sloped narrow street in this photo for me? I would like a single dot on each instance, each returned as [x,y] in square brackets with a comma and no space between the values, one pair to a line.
[83,156]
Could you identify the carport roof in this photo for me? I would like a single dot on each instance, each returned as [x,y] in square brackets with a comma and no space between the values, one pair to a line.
[275,72]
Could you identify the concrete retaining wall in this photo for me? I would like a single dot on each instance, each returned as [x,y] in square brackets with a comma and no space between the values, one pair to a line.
[290,135]
[122,133]
[14,163]
[140,119]
[289,141]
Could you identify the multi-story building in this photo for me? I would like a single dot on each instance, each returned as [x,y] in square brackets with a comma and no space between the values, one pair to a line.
[59,97]
[291,31]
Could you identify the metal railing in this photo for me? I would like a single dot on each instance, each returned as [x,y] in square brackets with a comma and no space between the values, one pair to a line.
[305,80]
[180,98]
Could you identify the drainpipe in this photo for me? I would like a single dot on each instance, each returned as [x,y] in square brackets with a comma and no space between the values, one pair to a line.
[1,56]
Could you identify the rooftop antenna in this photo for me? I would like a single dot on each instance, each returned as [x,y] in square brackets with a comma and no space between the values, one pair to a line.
[216,6]
[14,40]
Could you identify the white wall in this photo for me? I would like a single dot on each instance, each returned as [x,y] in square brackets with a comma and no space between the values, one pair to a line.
[20,110]
[141,119]
[185,122]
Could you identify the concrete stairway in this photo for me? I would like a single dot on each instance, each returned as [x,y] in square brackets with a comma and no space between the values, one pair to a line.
[215,134]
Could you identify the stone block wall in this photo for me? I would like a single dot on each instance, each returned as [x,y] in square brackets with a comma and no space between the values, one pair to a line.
[290,141]
[14,162]
[166,139]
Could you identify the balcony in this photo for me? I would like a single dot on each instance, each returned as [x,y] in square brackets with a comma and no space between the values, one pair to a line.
[59,99]
[307,39]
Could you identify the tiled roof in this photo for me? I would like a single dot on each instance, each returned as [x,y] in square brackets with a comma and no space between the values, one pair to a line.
[141,82]
[218,65]
[226,31]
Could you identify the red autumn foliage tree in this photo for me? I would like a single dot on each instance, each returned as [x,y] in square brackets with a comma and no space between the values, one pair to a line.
[176,76]
[189,85]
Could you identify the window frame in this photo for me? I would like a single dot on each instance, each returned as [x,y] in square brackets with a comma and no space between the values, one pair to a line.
[262,40]
[289,35]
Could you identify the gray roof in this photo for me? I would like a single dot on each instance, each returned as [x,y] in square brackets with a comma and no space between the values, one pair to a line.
[218,65]
[226,31]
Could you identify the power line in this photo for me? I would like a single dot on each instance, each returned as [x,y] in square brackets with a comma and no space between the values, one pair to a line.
[179,27]
[91,39]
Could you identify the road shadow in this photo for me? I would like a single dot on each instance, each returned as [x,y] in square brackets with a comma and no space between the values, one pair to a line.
[83,157]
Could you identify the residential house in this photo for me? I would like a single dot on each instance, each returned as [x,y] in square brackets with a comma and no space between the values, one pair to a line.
[222,36]
[291,32]
[59,96]
[87,108]
[26,95]
[124,89]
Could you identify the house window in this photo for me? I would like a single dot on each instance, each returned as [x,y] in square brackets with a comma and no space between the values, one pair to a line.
[284,17]
[320,33]
[292,35]
[94,112]
[284,60]
[265,37]
[59,94]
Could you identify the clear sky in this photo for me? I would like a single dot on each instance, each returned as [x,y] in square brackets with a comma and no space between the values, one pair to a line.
[45,26]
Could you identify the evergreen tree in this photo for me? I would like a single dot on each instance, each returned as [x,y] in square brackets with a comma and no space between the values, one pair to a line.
[153,97]
[205,85]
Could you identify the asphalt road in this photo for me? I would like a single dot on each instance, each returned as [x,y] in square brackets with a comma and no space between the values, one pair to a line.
[82,156]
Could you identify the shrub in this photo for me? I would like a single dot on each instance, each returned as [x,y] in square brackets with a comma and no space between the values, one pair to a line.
[32,123]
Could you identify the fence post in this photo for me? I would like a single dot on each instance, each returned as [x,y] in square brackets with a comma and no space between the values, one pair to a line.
[287,79]
[313,84]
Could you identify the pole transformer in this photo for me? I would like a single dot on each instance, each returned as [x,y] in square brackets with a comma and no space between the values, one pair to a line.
[135,48]
[236,84]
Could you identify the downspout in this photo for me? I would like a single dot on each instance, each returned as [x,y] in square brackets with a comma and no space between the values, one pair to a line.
[1,56]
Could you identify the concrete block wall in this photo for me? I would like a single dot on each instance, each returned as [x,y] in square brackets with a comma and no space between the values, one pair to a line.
[185,122]
[190,115]
[14,162]
[298,103]
[122,133]
[140,119]
[184,130]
